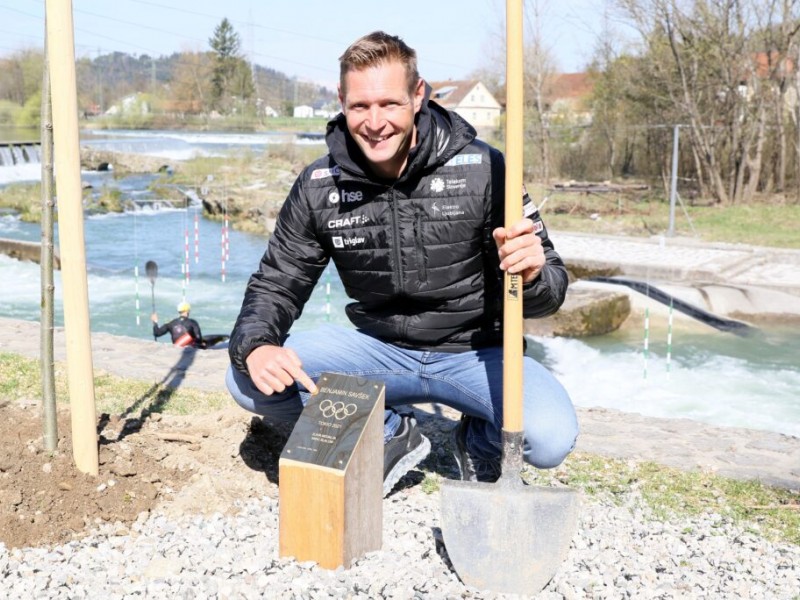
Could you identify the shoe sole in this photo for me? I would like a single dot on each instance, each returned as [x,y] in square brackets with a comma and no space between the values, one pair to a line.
[405,464]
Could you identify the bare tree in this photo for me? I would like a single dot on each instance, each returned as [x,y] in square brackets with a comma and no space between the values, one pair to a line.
[539,71]
[190,88]
[779,23]
[608,97]
[710,74]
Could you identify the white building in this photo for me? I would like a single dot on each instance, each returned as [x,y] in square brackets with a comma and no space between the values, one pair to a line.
[470,99]
[303,111]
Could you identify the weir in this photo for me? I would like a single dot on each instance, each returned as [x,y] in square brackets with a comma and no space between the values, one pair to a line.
[19,153]
[22,250]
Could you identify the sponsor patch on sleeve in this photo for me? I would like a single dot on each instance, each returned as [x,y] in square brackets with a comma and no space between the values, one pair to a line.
[464,159]
[322,173]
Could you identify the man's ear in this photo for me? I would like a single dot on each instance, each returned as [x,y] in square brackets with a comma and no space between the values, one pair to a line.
[341,96]
[419,95]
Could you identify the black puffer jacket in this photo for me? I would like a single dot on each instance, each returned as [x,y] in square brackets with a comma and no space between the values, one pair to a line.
[415,254]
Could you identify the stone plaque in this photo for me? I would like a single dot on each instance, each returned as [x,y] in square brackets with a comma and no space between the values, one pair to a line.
[332,422]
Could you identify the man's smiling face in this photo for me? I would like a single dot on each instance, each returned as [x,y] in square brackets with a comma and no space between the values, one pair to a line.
[380,115]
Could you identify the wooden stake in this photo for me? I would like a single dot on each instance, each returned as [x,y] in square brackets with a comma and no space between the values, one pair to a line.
[512,301]
[80,374]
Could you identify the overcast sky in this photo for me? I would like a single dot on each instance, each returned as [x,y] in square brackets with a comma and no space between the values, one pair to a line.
[304,38]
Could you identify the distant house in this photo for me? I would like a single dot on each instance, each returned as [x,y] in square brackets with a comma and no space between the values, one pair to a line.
[303,111]
[328,110]
[570,94]
[773,66]
[471,99]
[134,104]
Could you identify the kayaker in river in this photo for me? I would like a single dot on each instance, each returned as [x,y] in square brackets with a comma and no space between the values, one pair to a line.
[184,331]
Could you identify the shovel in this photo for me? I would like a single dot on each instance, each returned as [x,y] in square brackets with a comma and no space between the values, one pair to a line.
[507,536]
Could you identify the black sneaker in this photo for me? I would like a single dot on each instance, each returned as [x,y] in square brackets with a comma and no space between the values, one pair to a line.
[402,453]
[471,468]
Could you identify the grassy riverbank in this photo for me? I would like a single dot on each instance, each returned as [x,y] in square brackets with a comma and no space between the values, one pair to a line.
[251,187]
[768,221]
[766,512]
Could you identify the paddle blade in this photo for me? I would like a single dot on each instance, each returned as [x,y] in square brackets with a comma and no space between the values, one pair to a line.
[151,268]
[507,537]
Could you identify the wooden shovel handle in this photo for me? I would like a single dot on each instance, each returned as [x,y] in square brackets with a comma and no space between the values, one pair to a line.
[512,296]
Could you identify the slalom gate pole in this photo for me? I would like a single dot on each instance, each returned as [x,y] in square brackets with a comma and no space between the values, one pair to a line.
[669,336]
[646,338]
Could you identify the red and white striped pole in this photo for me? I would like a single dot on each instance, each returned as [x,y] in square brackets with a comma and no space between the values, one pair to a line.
[196,237]
[186,253]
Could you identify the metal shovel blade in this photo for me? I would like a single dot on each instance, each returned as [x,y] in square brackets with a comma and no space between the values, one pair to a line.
[507,536]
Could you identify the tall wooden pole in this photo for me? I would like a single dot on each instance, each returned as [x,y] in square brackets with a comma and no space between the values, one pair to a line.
[80,375]
[512,303]
[50,425]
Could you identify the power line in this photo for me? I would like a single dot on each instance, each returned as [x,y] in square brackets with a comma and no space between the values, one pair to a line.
[150,51]
[239,21]
[269,57]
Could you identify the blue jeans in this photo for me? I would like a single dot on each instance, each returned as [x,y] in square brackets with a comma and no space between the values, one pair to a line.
[470,382]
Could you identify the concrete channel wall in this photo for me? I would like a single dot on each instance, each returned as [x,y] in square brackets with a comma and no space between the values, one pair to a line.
[26,251]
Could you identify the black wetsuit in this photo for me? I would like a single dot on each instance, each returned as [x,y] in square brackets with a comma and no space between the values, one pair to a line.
[184,331]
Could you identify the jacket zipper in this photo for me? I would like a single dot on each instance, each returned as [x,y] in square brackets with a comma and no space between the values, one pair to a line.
[422,272]
[398,242]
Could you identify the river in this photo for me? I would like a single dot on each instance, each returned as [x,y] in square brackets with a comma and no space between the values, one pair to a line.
[705,375]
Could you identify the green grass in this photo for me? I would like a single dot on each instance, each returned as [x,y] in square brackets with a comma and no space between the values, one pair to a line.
[766,511]
[759,224]
[765,222]
[20,379]
[23,198]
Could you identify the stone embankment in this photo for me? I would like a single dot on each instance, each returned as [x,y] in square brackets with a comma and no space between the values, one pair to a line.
[26,251]
[93,159]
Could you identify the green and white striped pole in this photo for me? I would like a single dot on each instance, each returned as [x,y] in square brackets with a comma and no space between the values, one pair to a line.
[646,338]
[136,287]
[669,336]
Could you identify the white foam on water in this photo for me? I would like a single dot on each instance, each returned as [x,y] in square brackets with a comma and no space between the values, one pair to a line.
[177,155]
[9,224]
[721,390]
[154,208]
[20,173]
[217,138]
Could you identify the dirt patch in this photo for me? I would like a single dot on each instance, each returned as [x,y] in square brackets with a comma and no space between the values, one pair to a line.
[176,464]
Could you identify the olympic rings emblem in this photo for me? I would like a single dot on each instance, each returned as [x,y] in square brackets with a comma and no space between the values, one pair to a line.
[337,410]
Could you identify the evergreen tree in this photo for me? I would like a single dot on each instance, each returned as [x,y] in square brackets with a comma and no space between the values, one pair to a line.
[231,79]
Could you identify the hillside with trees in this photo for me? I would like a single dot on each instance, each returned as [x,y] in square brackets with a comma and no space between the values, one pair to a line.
[216,87]
[719,78]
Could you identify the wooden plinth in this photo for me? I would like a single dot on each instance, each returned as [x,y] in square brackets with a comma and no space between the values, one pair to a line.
[331,475]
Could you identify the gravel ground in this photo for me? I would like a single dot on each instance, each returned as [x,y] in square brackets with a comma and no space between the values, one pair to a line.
[620,551]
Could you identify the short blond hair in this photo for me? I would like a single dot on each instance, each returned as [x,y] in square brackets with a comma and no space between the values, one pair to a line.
[376,48]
